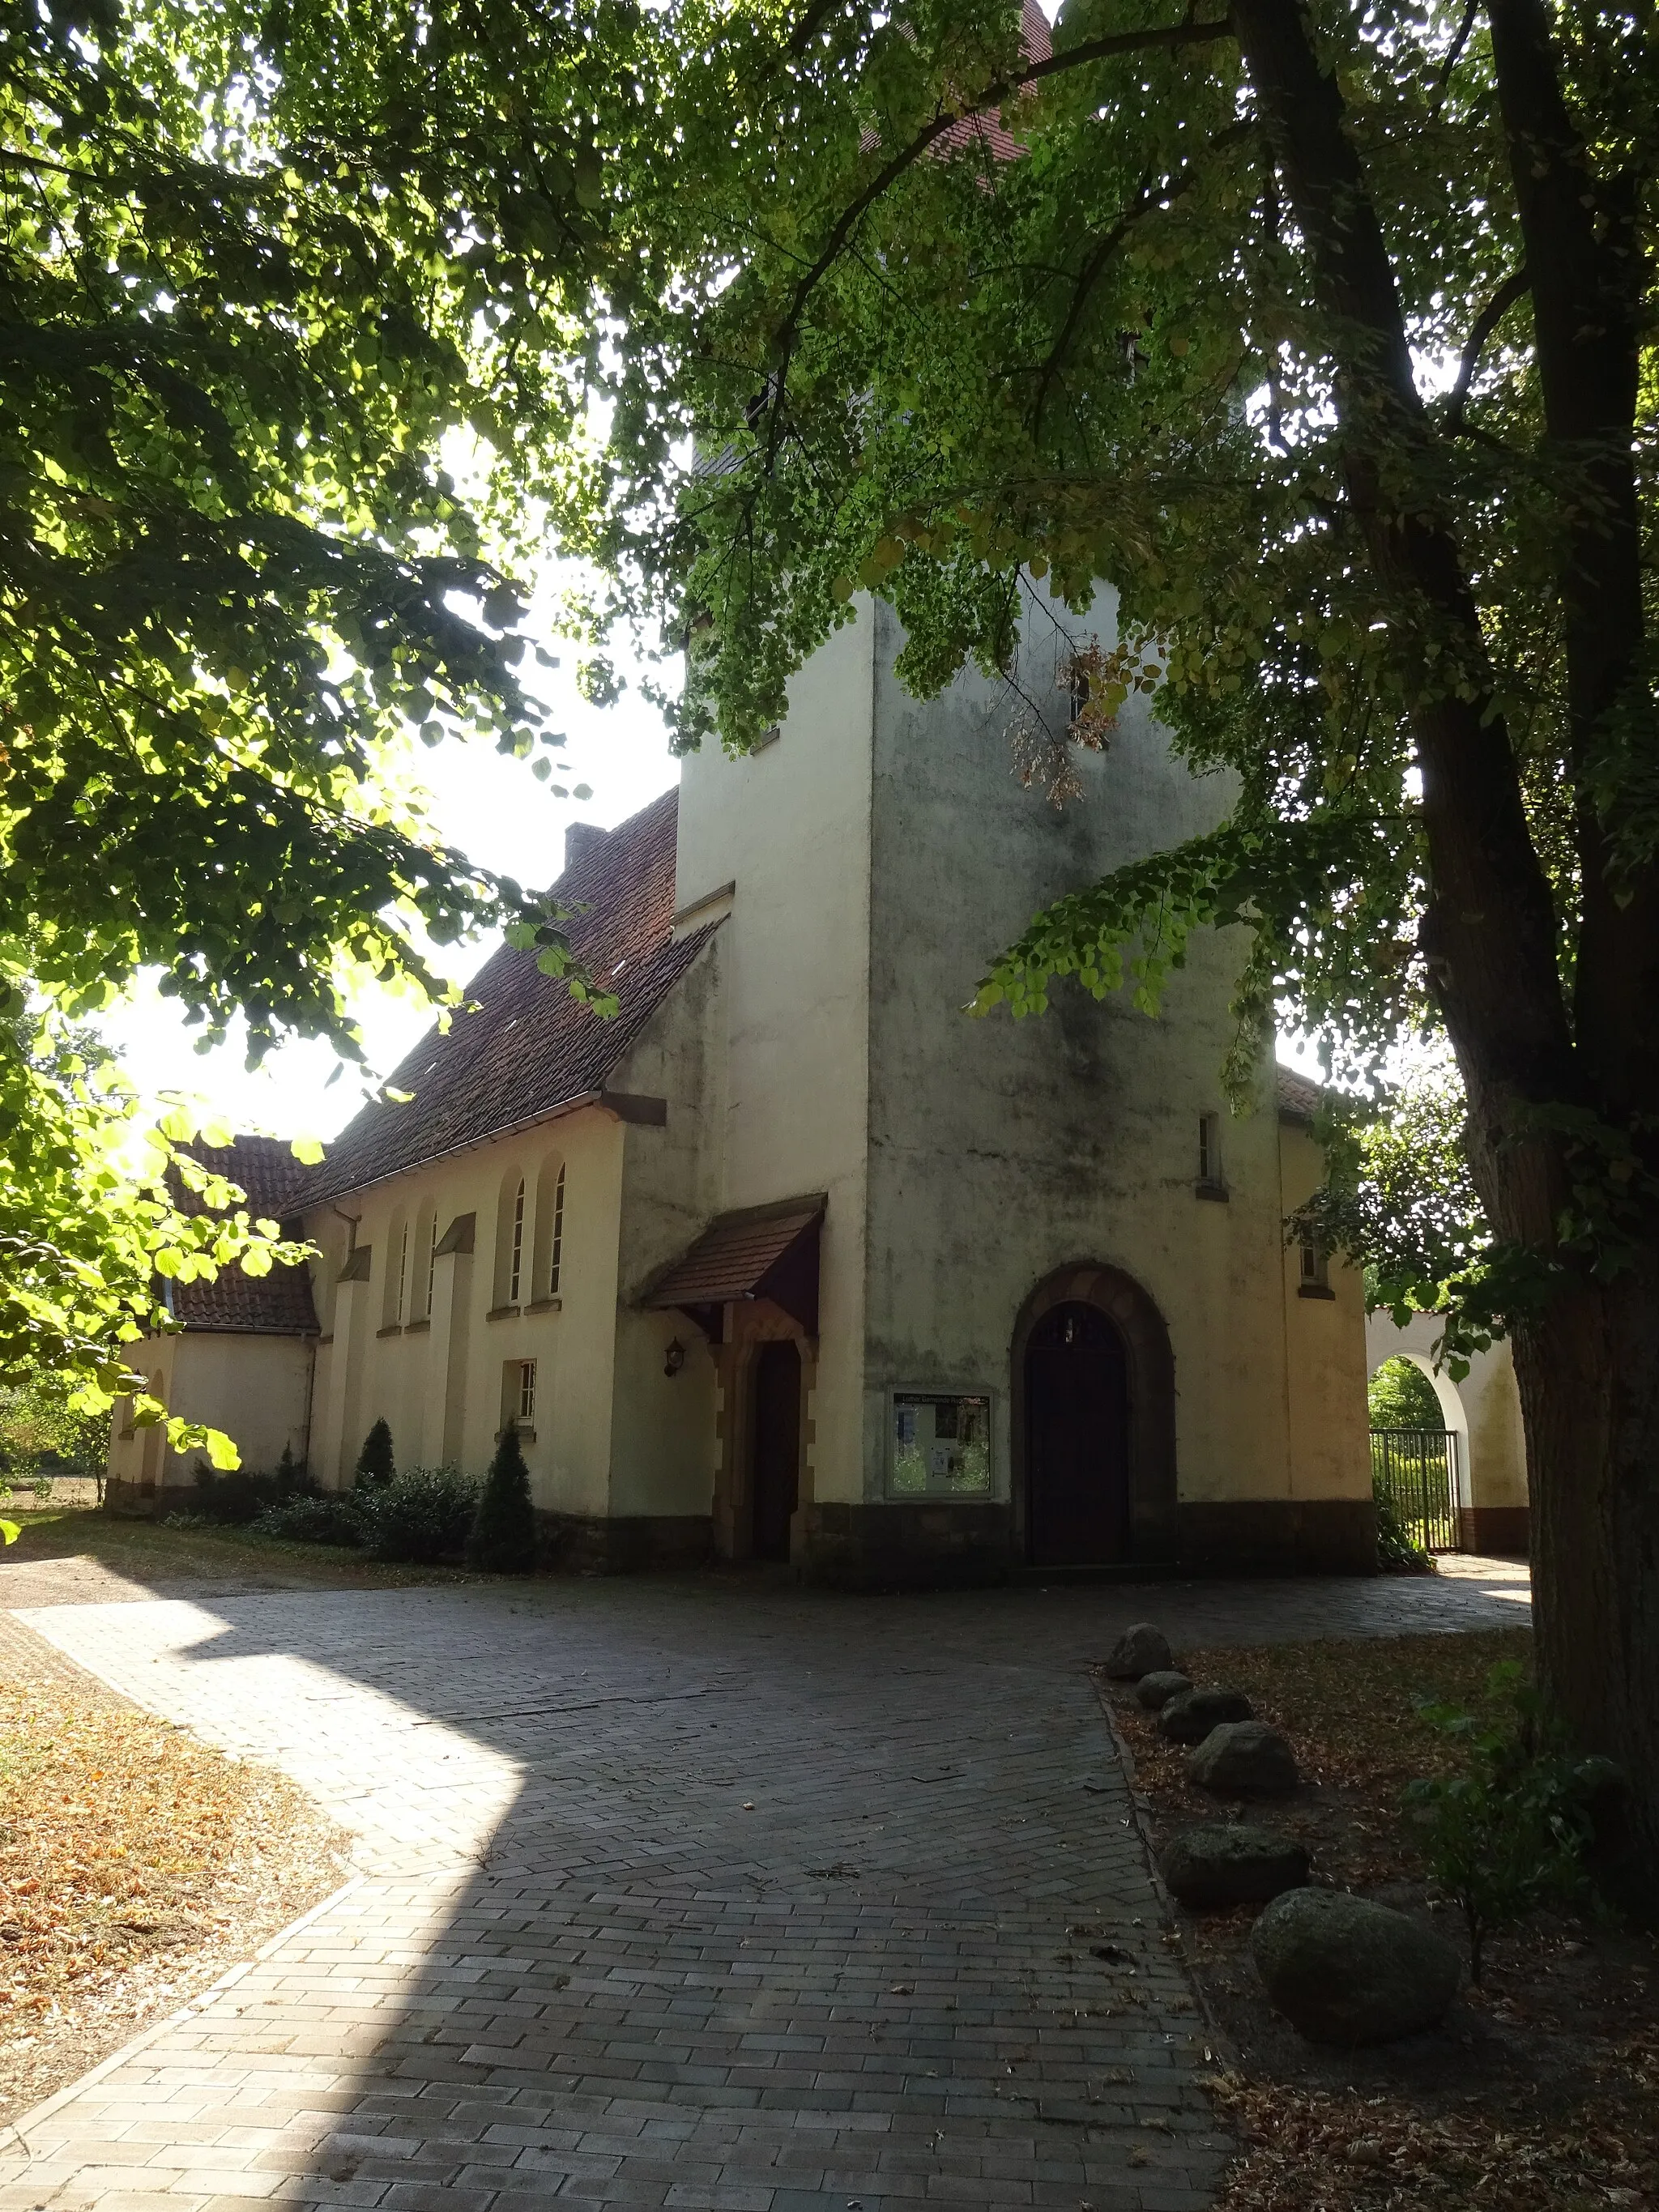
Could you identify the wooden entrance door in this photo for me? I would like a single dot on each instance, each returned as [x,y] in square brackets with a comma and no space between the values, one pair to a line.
[775,1465]
[1077,1413]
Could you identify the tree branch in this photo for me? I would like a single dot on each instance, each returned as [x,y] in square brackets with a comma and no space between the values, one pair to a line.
[1454,55]
[999,89]
[1512,289]
[1146,202]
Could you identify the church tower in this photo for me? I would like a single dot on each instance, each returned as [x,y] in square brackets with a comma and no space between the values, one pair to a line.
[1056,1321]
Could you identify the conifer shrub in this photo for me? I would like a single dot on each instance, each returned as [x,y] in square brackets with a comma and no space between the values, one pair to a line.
[502,1539]
[376,1466]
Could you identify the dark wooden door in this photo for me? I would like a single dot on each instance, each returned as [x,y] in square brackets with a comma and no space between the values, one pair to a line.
[1077,1417]
[776,1464]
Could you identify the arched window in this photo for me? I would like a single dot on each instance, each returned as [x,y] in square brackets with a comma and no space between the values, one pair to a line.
[555,1255]
[513,1229]
[397,1270]
[417,1266]
[549,1267]
[431,1258]
[515,1266]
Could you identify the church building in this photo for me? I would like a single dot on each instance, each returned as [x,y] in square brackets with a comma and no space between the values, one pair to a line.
[793,1259]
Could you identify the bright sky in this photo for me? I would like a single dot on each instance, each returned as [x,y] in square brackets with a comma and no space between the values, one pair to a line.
[493,808]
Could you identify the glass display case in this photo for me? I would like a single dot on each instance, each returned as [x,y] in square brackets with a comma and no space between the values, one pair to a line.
[938,1444]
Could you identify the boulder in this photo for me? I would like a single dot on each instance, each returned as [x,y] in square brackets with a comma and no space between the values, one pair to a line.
[1243,1758]
[1142,1650]
[1342,1970]
[1210,1865]
[1155,1691]
[1190,1715]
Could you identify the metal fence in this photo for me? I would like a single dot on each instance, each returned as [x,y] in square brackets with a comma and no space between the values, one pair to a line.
[1418,1468]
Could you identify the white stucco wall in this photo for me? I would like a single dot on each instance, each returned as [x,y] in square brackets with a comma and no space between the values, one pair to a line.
[1485,1408]
[256,1388]
[791,825]
[440,1386]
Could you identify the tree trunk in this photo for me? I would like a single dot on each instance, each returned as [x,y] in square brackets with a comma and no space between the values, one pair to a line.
[1589,1376]
[1585,266]
[1589,1367]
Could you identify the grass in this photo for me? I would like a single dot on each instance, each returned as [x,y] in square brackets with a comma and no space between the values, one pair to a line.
[1541,2091]
[148,1552]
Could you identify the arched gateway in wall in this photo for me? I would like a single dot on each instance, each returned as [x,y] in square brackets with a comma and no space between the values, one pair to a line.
[1093,1428]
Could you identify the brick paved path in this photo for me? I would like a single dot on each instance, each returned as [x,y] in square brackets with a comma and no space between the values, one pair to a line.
[695,1894]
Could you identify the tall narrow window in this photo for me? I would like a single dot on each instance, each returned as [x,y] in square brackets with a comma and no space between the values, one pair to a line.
[526,1390]
[556,1242]
[515,1272]
[401,1313]
[431,1261]
[1209,1148]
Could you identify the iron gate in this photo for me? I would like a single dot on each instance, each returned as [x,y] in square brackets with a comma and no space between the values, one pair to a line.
[1418,1468]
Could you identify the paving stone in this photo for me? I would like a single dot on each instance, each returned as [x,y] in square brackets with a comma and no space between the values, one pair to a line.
[573,1962]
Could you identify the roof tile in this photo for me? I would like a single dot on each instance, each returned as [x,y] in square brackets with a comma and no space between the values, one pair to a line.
[277,1187]
[531,1048]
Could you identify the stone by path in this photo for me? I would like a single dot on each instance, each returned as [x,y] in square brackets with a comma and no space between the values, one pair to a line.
[702,1894]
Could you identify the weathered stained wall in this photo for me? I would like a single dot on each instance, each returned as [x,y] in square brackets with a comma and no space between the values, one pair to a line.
[1001,1151]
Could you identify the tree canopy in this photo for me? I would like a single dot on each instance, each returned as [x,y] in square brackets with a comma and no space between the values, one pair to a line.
[236,373]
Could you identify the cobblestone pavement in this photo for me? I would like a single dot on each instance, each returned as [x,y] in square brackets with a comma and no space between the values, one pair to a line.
[709,1894]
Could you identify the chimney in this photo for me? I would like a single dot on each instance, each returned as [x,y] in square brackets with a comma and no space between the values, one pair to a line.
[581,840]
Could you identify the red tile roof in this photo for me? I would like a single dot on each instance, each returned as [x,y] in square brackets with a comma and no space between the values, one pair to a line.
[1299,1098]
[734,1255]
[531,1048]
[986,130]
[763,1252]
[276,1304]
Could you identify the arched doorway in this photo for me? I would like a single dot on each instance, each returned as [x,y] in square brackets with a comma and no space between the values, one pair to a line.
[1092,1376]
[1077,1413]
[774,1449]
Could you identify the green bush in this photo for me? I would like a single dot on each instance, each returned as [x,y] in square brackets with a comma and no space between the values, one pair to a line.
[41,1436]
[330,1516]
[375,1465]
[235,1499]
[1396,1546]
[502,1540]
[423,1515]
[1509,1831]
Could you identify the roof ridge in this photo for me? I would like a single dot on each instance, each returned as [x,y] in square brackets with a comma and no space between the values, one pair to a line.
[530,1048]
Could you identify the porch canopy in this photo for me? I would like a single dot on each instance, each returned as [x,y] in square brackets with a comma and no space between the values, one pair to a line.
[763,1252]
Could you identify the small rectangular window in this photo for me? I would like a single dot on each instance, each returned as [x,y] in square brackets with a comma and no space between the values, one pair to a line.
[526,1407]
[1313,1267]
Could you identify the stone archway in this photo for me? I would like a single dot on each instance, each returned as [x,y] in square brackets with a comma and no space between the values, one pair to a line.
[1148,1366]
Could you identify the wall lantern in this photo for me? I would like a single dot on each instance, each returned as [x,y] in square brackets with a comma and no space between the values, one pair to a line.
[674,1359]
